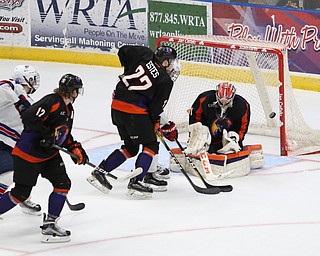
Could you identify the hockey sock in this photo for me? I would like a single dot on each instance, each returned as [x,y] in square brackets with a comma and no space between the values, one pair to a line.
[115,159]
[6,203]
[144,161]
[56,203]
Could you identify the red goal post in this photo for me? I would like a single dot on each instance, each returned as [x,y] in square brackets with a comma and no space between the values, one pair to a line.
[258,69]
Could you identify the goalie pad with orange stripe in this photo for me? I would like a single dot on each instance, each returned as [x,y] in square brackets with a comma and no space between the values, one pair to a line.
[235,164]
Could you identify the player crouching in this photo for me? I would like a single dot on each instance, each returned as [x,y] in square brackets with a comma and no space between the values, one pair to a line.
[219,120]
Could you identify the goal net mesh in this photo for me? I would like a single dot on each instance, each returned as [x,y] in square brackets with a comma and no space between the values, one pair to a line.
[253,67]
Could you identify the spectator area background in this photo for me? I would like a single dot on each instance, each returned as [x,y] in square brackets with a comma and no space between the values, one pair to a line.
[90,32]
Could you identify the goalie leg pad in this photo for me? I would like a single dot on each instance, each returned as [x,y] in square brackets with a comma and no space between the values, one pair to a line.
[198,164]
[181,158]
[174,167]
[199,138]
[229,165]
[240,167]
[256,156]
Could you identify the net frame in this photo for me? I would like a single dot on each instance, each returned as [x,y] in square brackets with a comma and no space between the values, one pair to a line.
[288,146]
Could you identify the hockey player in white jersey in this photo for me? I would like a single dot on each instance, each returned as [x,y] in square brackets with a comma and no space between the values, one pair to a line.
[14,99]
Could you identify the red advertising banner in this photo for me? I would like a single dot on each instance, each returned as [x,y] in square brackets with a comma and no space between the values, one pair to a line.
[298,29]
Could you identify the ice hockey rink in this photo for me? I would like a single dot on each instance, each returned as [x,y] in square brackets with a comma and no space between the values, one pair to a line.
[272,211]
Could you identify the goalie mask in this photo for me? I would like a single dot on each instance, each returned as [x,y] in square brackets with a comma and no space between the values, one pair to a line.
[167,53]
[27,75]
[225,94]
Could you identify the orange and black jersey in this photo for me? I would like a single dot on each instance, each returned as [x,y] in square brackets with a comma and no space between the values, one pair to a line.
[50,114]
[206,110]
[145,86]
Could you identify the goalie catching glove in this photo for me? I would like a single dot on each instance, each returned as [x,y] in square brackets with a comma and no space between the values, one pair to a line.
[169,131]
[230,142]
[77,149]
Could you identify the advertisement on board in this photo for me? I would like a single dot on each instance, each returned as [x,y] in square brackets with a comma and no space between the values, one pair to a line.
[299,30]
[174,19]
[88,24]
[14,20]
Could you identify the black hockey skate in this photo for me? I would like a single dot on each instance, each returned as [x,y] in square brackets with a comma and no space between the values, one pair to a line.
[52,233]
[137,188]
[156,184]
[162,173]
[29,207]
[99,181]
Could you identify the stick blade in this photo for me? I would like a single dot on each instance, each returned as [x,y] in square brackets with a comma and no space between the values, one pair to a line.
[226,188]
[131,175]
[75,207]
[207,191]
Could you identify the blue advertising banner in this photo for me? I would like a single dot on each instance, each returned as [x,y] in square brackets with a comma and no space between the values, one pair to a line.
[88,24]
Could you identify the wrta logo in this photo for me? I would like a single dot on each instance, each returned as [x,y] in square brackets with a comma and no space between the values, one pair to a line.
[10,28]
[109,8]
[10,4]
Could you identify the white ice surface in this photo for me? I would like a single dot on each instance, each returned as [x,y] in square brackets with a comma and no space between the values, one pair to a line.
[273,211]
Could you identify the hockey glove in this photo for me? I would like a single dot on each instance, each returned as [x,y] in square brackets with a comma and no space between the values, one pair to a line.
[22,105]
[47,139]
[77,149]
[170,131]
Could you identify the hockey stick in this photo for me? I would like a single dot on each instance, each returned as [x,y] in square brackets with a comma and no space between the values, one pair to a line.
[132,174]
[223,188]
[75,207]
[207,191]
[208,173]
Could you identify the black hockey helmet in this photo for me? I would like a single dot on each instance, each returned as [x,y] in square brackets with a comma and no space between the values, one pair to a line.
[69,82]
[165,53]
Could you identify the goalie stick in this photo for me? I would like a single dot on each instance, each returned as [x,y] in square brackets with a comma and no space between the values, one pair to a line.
[208,173]
[223,188]
[132,174]
[207,191]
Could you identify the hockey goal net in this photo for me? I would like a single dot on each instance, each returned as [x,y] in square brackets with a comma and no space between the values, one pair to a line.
[258,69]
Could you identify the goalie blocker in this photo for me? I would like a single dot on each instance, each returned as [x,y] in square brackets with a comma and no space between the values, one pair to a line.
[236,164]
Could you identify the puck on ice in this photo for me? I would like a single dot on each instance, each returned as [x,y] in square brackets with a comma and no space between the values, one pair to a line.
[272,114]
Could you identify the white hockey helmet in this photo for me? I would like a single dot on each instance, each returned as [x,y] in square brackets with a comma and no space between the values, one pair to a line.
[27,75]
